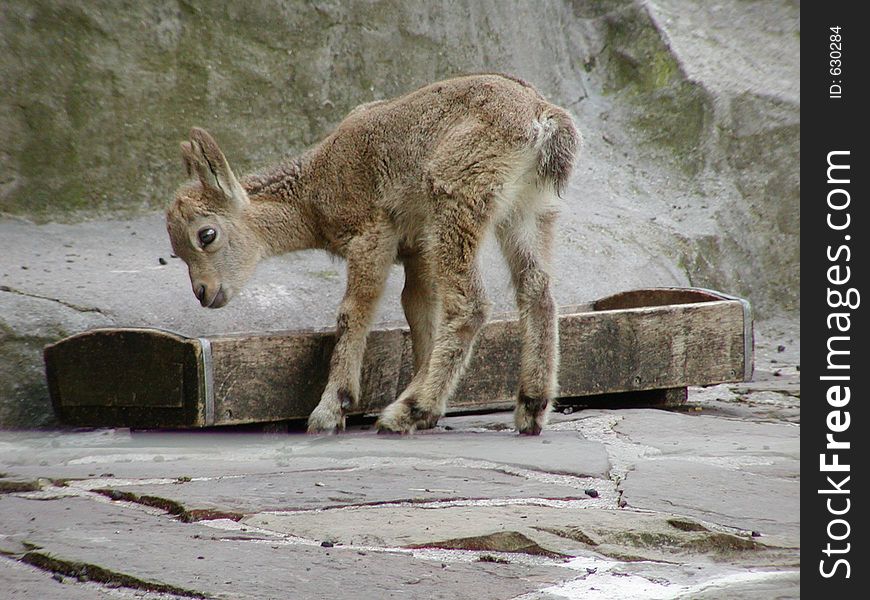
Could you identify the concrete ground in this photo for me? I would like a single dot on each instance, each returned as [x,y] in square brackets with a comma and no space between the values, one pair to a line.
[696,502]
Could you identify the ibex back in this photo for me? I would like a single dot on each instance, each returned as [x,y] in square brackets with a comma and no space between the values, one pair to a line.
[419,179]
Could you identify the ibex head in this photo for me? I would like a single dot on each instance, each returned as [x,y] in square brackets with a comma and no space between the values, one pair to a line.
[207,226]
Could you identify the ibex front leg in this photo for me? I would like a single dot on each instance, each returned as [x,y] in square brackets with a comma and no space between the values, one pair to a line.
[369,257]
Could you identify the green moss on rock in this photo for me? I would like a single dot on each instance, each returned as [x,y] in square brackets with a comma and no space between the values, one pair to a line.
[671,112]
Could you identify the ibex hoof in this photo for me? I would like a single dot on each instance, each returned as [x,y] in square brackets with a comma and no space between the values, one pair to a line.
[383,430]
[388,424]
[531,415]
[325,421]
[405,416]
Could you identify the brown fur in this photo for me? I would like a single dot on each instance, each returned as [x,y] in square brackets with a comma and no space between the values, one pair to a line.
[420,179]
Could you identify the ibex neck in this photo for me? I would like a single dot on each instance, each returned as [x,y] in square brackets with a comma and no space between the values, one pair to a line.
[282,207]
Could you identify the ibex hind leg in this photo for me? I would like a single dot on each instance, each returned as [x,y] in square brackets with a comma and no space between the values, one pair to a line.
[420,304]
[526,241]
[472,161]
[463,309]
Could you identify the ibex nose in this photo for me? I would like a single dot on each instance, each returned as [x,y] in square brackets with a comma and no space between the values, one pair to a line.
[200,293]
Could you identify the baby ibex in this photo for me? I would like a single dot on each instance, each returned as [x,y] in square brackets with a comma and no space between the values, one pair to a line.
[419,179]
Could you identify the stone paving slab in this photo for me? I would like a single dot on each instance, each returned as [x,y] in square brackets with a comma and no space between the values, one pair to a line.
[634,582]
[729,497]
[208,454]
[548,528]
[22,581]
[740,474]
[120,453]
[559,452]
[763,448]
[785,585]
[233,564]
[408,480]
[735,473]
[743,403]
[671,520]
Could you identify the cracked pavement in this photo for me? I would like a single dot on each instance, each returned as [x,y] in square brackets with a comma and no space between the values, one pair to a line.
[700,501]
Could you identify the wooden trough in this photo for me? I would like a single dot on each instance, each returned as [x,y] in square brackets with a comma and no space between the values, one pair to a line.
[644,345]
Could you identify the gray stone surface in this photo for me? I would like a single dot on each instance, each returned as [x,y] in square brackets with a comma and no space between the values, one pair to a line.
[24,582]
[621,583]
[334,485]
[232,564]
[568,528]
[731,497]
[207,454]
[773,446]
[105,93]
[468,510]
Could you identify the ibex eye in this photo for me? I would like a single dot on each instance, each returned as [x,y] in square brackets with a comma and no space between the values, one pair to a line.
[206,236]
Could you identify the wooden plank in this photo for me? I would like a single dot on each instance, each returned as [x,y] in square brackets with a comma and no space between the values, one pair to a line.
[631,342]
[652,348]
[282,375]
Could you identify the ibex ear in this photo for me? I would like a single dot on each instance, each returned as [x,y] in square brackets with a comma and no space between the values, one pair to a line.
[201,155]
[187,158]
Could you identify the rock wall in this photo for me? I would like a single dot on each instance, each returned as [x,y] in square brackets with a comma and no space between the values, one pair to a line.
[102,90]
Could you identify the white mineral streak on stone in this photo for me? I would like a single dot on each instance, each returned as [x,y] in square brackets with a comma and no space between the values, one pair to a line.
[623,453]
[604,580]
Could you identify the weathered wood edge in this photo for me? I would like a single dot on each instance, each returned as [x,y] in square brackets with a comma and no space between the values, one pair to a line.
[748,332]
[112,347]
[748,319]
[566,310]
